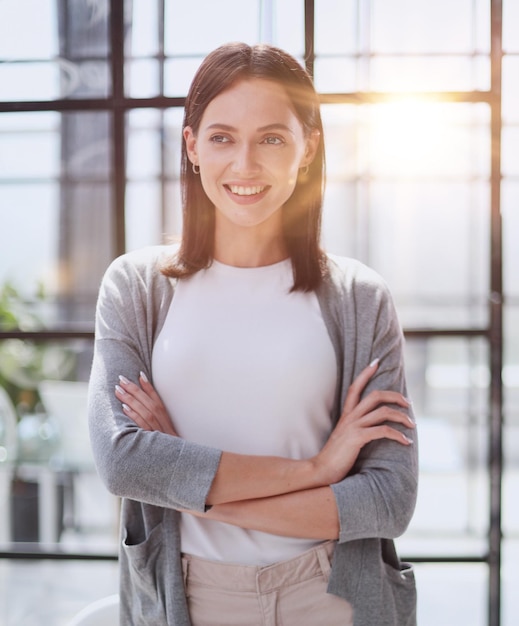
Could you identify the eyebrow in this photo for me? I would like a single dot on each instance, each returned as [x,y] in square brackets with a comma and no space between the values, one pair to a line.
[261,129]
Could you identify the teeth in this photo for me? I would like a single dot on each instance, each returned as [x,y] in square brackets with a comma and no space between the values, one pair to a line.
[246,191]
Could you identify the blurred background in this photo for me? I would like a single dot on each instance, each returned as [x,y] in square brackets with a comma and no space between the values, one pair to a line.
[420,102]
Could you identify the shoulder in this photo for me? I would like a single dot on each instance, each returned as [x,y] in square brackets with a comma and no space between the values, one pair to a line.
[350,274]
[353,291]
[137,266]
[141,259]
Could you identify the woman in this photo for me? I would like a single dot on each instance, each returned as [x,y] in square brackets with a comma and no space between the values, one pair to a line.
[259,433]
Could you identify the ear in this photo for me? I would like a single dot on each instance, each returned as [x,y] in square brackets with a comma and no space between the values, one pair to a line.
[190,139]
[312,144]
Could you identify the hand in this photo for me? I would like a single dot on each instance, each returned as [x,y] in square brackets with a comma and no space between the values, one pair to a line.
[143,405]
[361,421]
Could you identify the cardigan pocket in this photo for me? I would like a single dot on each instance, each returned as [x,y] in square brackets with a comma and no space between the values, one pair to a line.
[400,592]
[147,574]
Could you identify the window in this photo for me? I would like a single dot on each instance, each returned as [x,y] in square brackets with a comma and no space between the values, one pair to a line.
[423,185]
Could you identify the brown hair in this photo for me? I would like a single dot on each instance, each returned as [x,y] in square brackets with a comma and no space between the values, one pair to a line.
[220,70]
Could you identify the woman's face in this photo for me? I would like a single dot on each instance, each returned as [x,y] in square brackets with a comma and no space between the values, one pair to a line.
[250,146]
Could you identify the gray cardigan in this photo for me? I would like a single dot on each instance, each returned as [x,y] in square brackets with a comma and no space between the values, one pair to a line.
[156,474]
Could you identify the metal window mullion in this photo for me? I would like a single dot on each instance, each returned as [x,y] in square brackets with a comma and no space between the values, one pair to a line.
[310,36]
[162,118]
[496,324]
[117,36]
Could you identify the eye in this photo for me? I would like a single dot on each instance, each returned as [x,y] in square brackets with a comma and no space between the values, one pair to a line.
[274,140]
[219,139]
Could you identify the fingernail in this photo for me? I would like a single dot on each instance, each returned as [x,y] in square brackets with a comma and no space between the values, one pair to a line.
[126,408]
[120,389]
[123,379]
[408,439]
[144,377]
[411,420]
[374,362]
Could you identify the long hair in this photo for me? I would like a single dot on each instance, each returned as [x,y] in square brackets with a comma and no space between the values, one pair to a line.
[301,214]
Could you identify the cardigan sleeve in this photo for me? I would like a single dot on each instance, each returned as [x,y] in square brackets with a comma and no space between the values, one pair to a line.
[150,467]
[377,498]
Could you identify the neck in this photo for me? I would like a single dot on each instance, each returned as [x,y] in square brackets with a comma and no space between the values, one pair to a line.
[248,248]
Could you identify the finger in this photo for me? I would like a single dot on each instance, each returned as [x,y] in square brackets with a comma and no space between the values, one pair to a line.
[358,385]
[136,392]
[372,401]
[386,414]
[132,397]
[149,388]
[386,432]
[136,417]
[146,403]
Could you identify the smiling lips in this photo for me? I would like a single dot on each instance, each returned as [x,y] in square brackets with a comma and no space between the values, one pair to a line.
[246,191]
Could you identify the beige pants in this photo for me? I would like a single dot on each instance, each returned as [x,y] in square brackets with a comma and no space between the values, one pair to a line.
[289,593]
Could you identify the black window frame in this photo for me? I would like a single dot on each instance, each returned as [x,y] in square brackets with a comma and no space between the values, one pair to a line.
[117,105]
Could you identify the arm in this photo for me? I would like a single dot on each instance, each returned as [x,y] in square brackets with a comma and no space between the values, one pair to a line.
[307,514]
[285,508]
[149,467]
[377,498]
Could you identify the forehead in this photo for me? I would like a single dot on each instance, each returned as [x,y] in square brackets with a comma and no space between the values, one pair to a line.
[254,101]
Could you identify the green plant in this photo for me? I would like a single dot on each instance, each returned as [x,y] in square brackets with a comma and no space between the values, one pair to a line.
[23,363]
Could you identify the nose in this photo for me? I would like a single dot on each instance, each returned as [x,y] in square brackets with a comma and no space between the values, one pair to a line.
[245,161]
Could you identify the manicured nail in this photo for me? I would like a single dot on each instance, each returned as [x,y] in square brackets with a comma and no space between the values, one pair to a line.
[408,439]
[144,377]
[120,389]
[374,362]
[123,379]
[126,408]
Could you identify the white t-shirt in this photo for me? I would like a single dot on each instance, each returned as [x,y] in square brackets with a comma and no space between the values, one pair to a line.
[245,366]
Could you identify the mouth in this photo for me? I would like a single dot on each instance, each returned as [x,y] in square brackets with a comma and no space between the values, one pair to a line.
[252,190]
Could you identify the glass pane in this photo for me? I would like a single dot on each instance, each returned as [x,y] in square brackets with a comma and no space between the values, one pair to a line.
[55,210]
[288,26]
[408,194]
[143,215]
[401,46]
[173,217]
[37,20]
[429,73]
[199,26]
[452,594]
[29,214]
[510,90]
[511,383]
[510,22]
[448,383]
[431,243]
[173,207]
[422,26]
[17,144]
[336,27]
[178,74]
[143,39]
[336,74]
[409,139]
[142,78]
[255,21]
[510,213]
[144,144]
[510,150]
[59,56]
[29,81]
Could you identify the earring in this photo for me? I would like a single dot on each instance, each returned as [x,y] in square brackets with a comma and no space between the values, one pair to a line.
[305,170]
[195,168]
